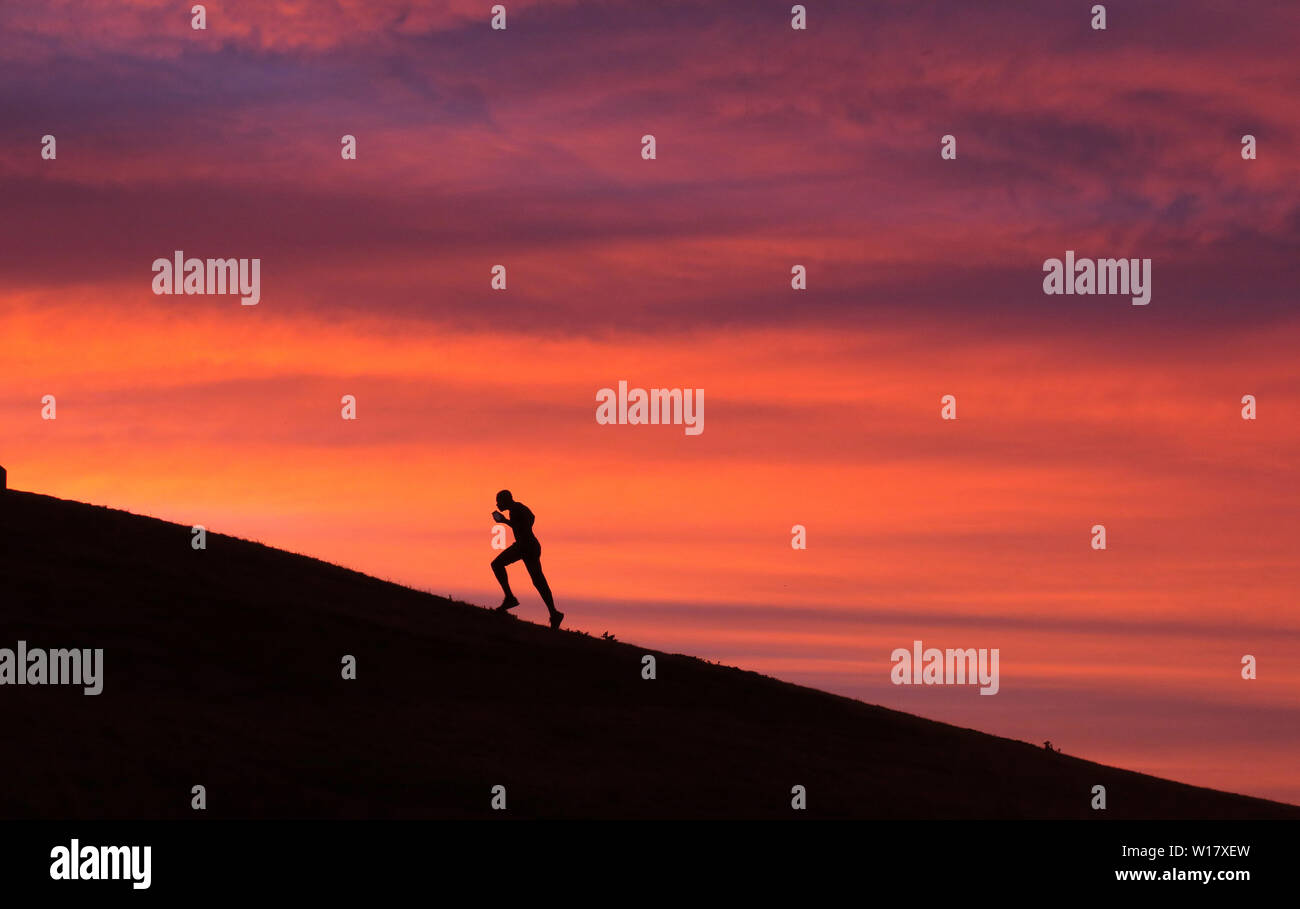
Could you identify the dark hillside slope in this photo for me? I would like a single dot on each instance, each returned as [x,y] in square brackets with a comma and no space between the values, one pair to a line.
[222,668]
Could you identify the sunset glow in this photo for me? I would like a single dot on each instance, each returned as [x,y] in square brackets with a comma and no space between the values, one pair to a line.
[924,280]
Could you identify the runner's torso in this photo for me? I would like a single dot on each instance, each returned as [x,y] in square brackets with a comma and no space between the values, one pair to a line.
[521,522]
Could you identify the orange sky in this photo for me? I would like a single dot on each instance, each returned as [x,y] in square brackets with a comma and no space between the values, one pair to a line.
[965,533]
[822,406]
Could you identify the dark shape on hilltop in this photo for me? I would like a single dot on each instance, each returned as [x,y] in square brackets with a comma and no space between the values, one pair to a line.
[4,480]
[527,548]
[222,668]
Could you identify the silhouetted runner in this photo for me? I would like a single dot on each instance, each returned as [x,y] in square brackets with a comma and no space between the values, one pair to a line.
[525,548]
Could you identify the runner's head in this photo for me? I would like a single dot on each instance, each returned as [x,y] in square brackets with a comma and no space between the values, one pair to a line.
[504,499]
